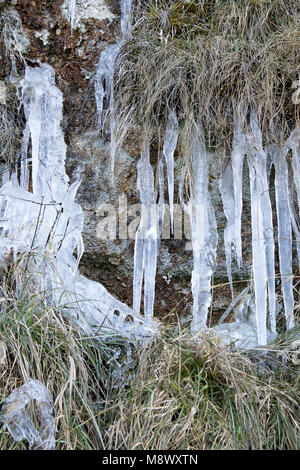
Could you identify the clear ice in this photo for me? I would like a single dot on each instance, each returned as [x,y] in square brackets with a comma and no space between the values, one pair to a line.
[204,230]
[47,223]
[104,78]
[15,417]
[146,240]
[170,143]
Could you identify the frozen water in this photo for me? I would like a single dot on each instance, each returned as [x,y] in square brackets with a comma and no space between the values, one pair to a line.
[170,143]
[104,78]
[15,417]
[47,222]
[146,241]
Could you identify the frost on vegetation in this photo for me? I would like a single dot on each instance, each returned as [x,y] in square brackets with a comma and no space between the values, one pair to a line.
[13,35]
[41,218]
[16,418]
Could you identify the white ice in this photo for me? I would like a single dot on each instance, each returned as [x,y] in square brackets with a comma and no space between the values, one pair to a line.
[47,222]
[146,241]
[170,143]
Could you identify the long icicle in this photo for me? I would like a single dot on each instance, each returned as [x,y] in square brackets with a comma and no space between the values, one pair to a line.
[237,158]
[104,78]
[262,232]
[146,241]
[204,231]
[226,187]
[284,232]
[170,143]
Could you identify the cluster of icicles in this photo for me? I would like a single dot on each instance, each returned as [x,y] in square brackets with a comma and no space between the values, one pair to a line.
[247,143]
[41,220]
[39,215]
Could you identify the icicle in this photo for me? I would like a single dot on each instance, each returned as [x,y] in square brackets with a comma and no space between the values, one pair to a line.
[227,192]
[72,11]
[294,224]
[237,158]
[204,232]
[146,242]
[161,200]
[284,231]
[47,223]
[104,78]
[126,9]
[293,143]
[170,143]
[43,110]
[262,232]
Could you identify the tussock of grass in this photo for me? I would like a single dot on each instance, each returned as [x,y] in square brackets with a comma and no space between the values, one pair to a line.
[11,124]
[195,394]
[201,57]
[177,392]
[37,342]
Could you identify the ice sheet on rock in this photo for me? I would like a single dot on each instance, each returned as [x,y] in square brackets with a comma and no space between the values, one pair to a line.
[284,231]
[146,241]
[170,143]
[262,232]
[15,417]
[204,231]
[228,200]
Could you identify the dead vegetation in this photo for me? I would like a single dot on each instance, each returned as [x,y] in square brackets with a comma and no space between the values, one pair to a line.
[201,56]
[177,392]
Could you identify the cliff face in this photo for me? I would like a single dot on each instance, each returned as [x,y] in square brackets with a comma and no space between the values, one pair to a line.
[47,37]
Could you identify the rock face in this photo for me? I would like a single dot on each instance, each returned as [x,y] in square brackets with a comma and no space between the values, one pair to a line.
[47,37]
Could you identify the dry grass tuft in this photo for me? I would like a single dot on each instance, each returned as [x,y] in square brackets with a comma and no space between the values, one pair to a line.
[196,394]
[177,392]
[36,341]
[202,55]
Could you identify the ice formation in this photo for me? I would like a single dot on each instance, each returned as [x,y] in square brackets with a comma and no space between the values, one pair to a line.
[170,143]
[237,158]
[204,230]
[284,231]
[15,417]
[40,217]
[262,232]
[227,193]
[249,143]
[104,79]
[72,11]
[146,240]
